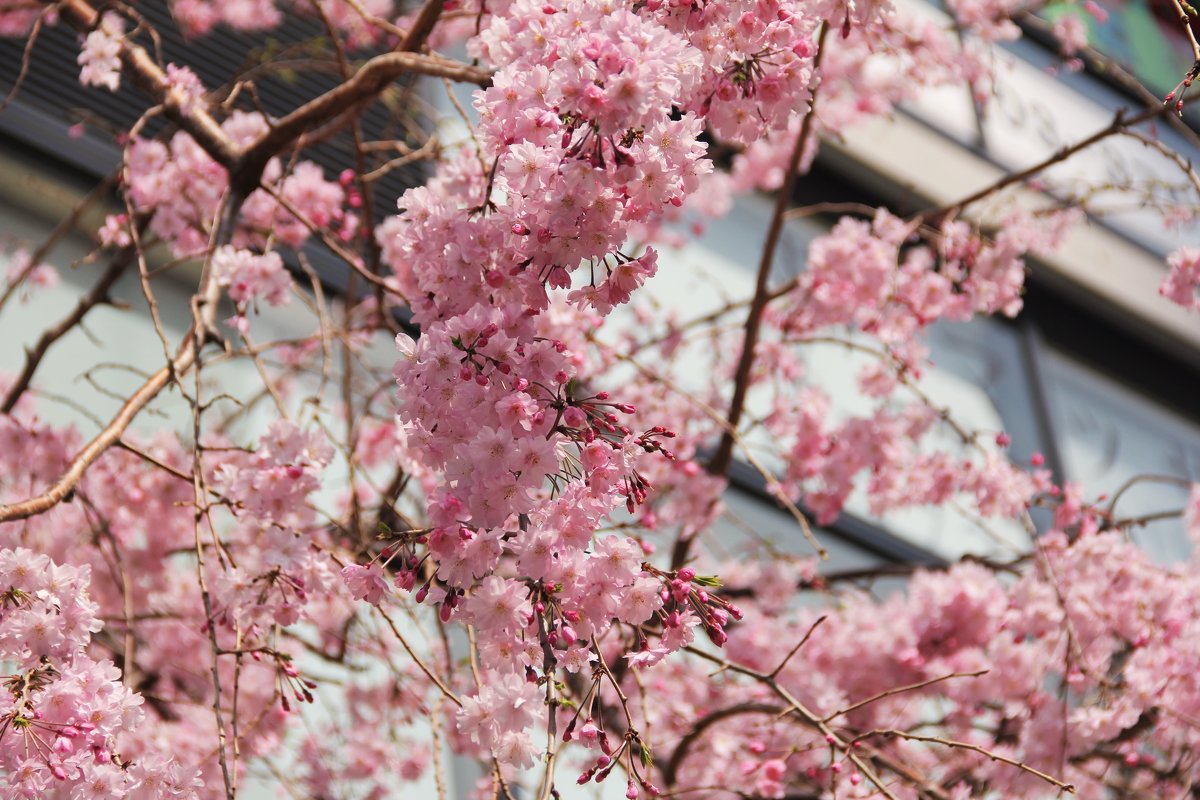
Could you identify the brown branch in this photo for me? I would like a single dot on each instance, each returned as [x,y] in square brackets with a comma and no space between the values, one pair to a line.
[671,769]
[854,754]
[901,690]
[719,464]
[1021,765]
[98,295]
[202,331]
[804,640]
[146,74]
[423,26]
[60,231]
[1118,125]
[1186,21]
[371,79]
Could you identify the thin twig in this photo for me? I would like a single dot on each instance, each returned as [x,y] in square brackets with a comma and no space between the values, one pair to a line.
[994,756]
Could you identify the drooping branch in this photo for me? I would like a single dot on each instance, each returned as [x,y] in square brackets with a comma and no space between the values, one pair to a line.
[205,305]
[1119,124]
[98,295]
[721,459]
[150,78]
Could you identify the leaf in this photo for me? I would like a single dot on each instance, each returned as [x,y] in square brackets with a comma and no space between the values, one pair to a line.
[646,756]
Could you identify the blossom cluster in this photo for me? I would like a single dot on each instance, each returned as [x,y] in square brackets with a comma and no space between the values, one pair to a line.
[524,478]
[63,713]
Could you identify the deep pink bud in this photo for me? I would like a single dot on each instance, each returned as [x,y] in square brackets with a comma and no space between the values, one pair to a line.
[686,574]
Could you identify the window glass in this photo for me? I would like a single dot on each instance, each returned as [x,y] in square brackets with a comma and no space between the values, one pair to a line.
[1146,38]
[1108,435]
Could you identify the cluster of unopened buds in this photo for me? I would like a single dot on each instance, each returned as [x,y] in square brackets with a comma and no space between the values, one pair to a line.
[1176,95]
[591,419]
[592,735]
[288,678]
[686,591]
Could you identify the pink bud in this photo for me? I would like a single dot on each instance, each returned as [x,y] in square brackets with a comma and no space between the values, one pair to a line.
[631,792]
[686,574]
